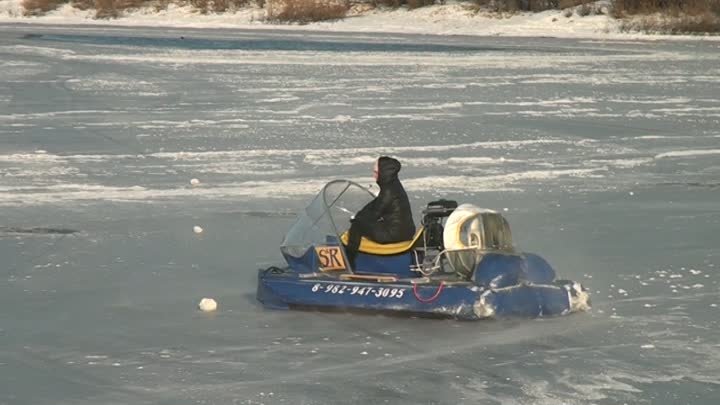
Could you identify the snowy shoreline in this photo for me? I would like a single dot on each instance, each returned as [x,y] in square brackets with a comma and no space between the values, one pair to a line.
[447,19]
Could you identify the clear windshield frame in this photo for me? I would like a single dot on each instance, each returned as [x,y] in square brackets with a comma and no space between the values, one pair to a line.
[326,217]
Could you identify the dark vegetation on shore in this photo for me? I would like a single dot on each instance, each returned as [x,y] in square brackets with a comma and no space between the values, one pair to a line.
[658,16]
[668,16]
[305,11]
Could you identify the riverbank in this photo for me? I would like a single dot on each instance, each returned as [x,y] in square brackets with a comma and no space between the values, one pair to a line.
[457,18]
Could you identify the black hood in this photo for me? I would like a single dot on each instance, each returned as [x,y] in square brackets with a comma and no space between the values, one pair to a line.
[388,169]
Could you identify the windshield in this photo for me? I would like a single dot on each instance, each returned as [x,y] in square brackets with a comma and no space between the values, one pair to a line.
[326,217]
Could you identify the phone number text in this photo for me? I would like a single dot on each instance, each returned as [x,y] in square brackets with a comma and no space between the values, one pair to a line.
[378,292]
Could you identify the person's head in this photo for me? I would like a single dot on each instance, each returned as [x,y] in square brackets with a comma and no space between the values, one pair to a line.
[386,170]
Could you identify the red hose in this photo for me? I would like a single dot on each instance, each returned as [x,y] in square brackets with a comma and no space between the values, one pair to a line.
[431,299]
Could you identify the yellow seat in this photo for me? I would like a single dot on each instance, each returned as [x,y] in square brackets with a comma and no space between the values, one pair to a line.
[384,249]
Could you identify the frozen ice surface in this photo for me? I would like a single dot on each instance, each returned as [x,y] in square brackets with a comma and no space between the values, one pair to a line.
[101,129]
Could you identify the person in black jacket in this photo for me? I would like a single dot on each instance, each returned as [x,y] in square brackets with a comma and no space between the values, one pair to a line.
[388,217]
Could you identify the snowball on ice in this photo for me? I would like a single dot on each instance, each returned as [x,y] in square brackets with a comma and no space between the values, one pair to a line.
[207,305]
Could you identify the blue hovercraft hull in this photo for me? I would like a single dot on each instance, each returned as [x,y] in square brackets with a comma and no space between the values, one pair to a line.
[284,289]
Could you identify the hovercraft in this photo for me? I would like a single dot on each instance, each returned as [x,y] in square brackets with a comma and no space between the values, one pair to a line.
[461,263]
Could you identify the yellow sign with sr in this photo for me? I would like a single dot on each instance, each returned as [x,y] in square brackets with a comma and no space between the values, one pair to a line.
[330,257]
